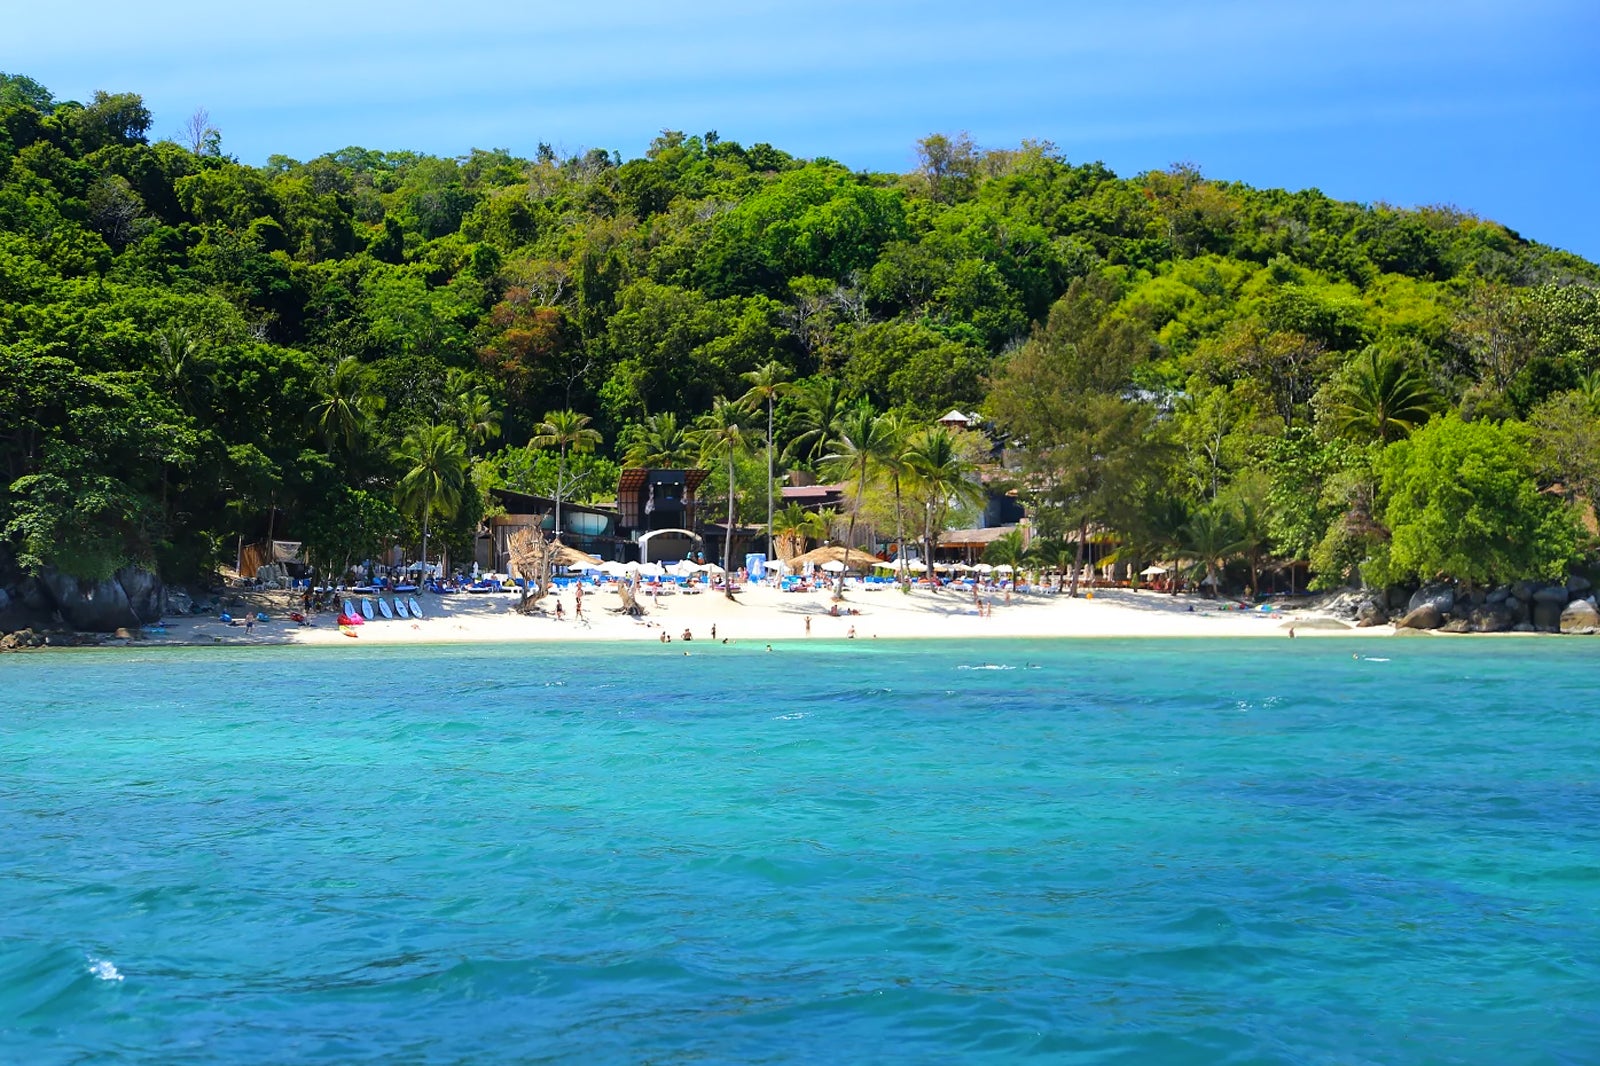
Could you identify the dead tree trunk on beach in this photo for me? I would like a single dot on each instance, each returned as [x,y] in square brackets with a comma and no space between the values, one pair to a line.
[530,557]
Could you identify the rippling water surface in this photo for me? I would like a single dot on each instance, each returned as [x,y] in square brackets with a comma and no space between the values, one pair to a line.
[1141,852]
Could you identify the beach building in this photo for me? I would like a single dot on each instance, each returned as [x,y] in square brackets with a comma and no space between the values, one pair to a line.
[587,528]
[659,515]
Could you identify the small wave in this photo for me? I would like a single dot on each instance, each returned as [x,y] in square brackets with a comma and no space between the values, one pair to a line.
[986,666]
[103,969]
[796,716]
[1374,659]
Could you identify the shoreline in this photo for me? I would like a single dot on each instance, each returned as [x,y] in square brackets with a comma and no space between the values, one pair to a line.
[765,615]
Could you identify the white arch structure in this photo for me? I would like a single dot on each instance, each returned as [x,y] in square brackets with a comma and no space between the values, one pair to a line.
[644,540]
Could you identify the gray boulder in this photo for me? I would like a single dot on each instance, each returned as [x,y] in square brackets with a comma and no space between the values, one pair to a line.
[1579,616]
[1441,596]
[1456,625]
[1498,595]
[1371,614]
[1397,597]
[1426,616]
[127,599]
[1547,616]
[1523,590]
[1493,618]
[1578,584]
[1524,627]
[1556,594]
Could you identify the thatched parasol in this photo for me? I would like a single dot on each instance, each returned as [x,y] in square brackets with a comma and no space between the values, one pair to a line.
[852,558]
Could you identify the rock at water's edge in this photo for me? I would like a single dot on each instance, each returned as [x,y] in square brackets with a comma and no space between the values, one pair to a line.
[1427,616]
[1442,597]
[1580,615]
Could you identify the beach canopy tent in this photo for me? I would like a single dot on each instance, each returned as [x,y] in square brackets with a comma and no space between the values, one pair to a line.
[852,558]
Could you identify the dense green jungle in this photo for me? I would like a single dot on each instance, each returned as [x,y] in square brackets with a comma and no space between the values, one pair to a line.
[356,348]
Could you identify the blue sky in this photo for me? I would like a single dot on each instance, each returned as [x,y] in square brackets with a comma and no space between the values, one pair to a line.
[1491,106]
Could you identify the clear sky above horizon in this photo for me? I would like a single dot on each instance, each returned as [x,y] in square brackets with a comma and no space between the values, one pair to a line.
[1491,106]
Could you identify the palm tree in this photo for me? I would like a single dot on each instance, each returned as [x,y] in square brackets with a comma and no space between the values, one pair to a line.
[1251,537]
[797,523]
[1212,538]
[568,431]
[722,434]
[343,409]
[864,440]
[767,383]
[659,441]
[1383,399]
[821,403]
[435,461]
[1006,550]
[174,357]
[480,422]
[897,430]
[939,477]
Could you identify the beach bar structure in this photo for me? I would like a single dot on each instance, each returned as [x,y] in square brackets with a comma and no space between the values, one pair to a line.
[658,513]
[589,529]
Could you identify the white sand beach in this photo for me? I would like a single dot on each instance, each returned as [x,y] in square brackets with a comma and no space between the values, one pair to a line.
[760,613]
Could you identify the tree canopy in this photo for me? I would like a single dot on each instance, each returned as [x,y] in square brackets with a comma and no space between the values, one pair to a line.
[190,345]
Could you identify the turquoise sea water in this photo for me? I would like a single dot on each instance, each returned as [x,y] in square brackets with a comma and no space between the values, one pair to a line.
[1090,851]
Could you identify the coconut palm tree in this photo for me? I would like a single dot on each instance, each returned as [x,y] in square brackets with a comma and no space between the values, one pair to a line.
[1383,398]
[724,434]
[661,442]
[1006,550]
[344,408]
[1212,538]
[897,430]
[939,478]
[863,443]
[820,404]
[480,421]
[435,463]
[767,384]
[568,431]
[799,525]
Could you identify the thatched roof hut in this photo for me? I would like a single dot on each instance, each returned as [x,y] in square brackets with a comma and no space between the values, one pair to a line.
[852,558]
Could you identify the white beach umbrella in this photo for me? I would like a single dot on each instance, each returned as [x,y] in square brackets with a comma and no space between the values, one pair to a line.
[713,568]
[1152,570]
[1003,568]
[983,568]
[652,570]
[833,566]
[911,566]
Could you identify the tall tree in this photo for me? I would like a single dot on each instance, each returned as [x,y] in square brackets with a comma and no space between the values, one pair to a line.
[343,407]
[939,478]
[435,463]
[767,383]
[1382,398]
[863,442]
[567,431]
[724,434]
[660,441]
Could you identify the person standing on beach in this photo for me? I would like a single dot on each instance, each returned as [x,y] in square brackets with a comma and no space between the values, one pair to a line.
[808,625]
[577,607]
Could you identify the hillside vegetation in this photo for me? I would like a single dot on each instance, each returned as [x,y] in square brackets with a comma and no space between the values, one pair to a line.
[362,343]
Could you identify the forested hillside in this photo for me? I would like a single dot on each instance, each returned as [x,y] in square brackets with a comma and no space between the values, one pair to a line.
[369,338]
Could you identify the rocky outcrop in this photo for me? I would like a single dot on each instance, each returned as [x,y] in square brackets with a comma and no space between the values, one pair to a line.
[127,599]
[1426,616]
[1442,597]
[1547,615]
[1371,613]
[1579,616]
[1493,618]
[1456,625]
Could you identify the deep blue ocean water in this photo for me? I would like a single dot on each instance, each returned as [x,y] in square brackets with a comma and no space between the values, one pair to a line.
[1073,851]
